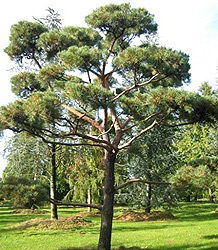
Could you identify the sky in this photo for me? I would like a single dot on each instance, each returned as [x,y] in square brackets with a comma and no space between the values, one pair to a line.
[190,26]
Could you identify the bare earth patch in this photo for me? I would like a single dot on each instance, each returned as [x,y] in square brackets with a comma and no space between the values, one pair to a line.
[62,223]
[142,216]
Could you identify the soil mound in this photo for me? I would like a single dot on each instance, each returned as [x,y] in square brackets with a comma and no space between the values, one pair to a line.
[30,211]
[142,216]
[62,223]
[89,214]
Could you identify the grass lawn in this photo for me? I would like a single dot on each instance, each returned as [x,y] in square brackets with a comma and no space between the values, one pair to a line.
[196,227]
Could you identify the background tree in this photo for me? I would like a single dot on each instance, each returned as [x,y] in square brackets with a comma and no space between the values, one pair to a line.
[197,151]
[29,157]
[1,193]
[26,156]
[86,176]
[62,108]
[151,158]
[52,20]
[24,192]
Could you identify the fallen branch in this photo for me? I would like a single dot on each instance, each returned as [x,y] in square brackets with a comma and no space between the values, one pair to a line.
[141,180]
[64,203]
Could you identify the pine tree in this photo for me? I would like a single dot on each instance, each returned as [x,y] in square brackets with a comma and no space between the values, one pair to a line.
[126,86]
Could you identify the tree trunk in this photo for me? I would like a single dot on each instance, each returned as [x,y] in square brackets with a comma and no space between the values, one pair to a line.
[54,212]
[89,198]
[195,197]
[211,197]
[108,203]
[188,198]
[148,199]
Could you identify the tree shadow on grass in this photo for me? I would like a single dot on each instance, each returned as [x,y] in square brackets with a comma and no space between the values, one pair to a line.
[148,226]
[172,247]
[200,217]
[211,237]
[76,248]
[129,248]
[88,248]
[200,211]
[148,248]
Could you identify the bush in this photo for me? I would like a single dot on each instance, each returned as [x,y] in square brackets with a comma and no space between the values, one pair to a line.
[23,192]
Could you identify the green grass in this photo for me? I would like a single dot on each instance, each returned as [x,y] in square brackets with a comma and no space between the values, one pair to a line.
[196,227]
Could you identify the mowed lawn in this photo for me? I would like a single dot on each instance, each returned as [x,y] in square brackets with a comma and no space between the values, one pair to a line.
[196,227]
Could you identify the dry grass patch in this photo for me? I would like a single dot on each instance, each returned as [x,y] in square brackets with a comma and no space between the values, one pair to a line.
[90,214]
[142,216]
[62,223]
[30,211]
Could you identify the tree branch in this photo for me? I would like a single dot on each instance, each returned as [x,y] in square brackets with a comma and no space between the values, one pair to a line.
[43,133]
[110,50]
[89,76]
[141,180]
[106,132]
[145,120]
[126,123]
[95,73]
[64,203]
[67,143]
[83,117]
[154,123]
[89,137]
[34,58]
[134,87]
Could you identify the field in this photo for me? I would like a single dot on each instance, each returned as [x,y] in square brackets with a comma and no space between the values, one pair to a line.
[195,227]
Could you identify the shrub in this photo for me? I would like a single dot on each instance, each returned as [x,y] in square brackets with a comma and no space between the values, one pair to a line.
[23,192]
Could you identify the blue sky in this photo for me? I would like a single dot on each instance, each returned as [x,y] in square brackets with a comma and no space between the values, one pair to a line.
[189,25]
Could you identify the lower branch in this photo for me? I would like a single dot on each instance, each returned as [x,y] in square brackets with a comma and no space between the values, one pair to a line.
[64,203]
[141,180]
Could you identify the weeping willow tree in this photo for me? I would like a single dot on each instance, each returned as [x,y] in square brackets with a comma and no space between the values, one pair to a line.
[86,176]
[100,86]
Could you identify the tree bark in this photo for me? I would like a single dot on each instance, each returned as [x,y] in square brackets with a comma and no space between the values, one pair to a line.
[53,178]
[108,203]
[148,199]
[196,197]
[211,196]
[188,198]
[89,199]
